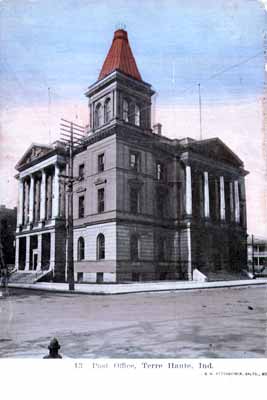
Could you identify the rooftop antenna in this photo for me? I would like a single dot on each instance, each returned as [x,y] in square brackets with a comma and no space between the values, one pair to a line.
[49,115]
[200,112]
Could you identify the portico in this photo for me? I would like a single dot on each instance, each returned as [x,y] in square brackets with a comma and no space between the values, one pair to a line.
[214,213]
[41,208]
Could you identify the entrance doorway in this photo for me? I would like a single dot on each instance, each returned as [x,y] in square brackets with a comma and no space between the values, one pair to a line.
[35,259]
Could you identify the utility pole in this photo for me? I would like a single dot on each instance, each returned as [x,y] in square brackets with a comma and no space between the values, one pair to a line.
[252,244]
[73,135]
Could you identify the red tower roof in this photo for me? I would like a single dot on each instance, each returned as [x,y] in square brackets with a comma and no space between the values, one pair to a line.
[120,57]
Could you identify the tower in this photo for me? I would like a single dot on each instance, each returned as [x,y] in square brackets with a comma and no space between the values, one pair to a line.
[120,95]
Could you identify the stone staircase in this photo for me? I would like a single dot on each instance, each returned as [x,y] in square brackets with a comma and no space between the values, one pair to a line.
[29,277]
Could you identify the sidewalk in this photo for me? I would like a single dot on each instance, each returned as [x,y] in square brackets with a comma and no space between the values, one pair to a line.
[105,289]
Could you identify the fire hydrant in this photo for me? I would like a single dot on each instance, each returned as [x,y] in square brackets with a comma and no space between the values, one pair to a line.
[53,348]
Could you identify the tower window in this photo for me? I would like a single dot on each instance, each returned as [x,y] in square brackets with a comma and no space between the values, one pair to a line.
[100,246]
[137,115]
[98,115]
[80,248]
[81,206]
[125,111]
[101,200]
[107,111]
[101,162]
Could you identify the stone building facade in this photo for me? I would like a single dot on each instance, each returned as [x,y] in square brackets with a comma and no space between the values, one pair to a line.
[145,206]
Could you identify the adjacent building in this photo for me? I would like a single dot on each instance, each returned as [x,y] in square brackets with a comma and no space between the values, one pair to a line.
[257,254]
[146,206]
[8,217]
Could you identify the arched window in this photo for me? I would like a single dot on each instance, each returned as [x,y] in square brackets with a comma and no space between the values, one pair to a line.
[98,115]
[81,248]
[134,248]
[137,115]
[107,111]
[125,111]
[100,245]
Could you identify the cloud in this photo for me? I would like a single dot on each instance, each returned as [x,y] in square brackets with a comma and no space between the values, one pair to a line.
[264,3]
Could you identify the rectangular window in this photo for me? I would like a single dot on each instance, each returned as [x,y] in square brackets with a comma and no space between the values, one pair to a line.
[79,276]
[81,172]
[162,251]
[134,161]
[136,276]
[160,199]
[160,171]
[134,248]
[101,162]
[81,206]
[99,277]
[101,200]
[134,200]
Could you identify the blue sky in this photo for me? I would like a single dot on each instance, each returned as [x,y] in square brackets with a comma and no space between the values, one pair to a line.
[62,44]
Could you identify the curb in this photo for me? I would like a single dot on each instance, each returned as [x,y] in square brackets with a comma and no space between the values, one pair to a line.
[208,285]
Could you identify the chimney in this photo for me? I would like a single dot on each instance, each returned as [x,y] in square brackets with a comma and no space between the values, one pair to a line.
[157,129]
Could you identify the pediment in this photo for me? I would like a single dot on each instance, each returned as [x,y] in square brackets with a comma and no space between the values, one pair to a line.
[218,151]
[34,152]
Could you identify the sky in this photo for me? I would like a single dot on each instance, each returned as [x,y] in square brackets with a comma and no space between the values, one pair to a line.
[177,44]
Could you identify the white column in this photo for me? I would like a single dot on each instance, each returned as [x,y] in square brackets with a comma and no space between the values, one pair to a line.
[20,205]
[243,199]
[39,263]
[31,199]
[222,199]
[26,202]
[17,254]
[43,196]
[27,262]
[188,191]
[55,212]
[206,195]
[189,249]
[237,205]
[231,200]
[52,250]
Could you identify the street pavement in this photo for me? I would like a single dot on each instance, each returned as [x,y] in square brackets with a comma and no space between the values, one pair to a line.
[219,322]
